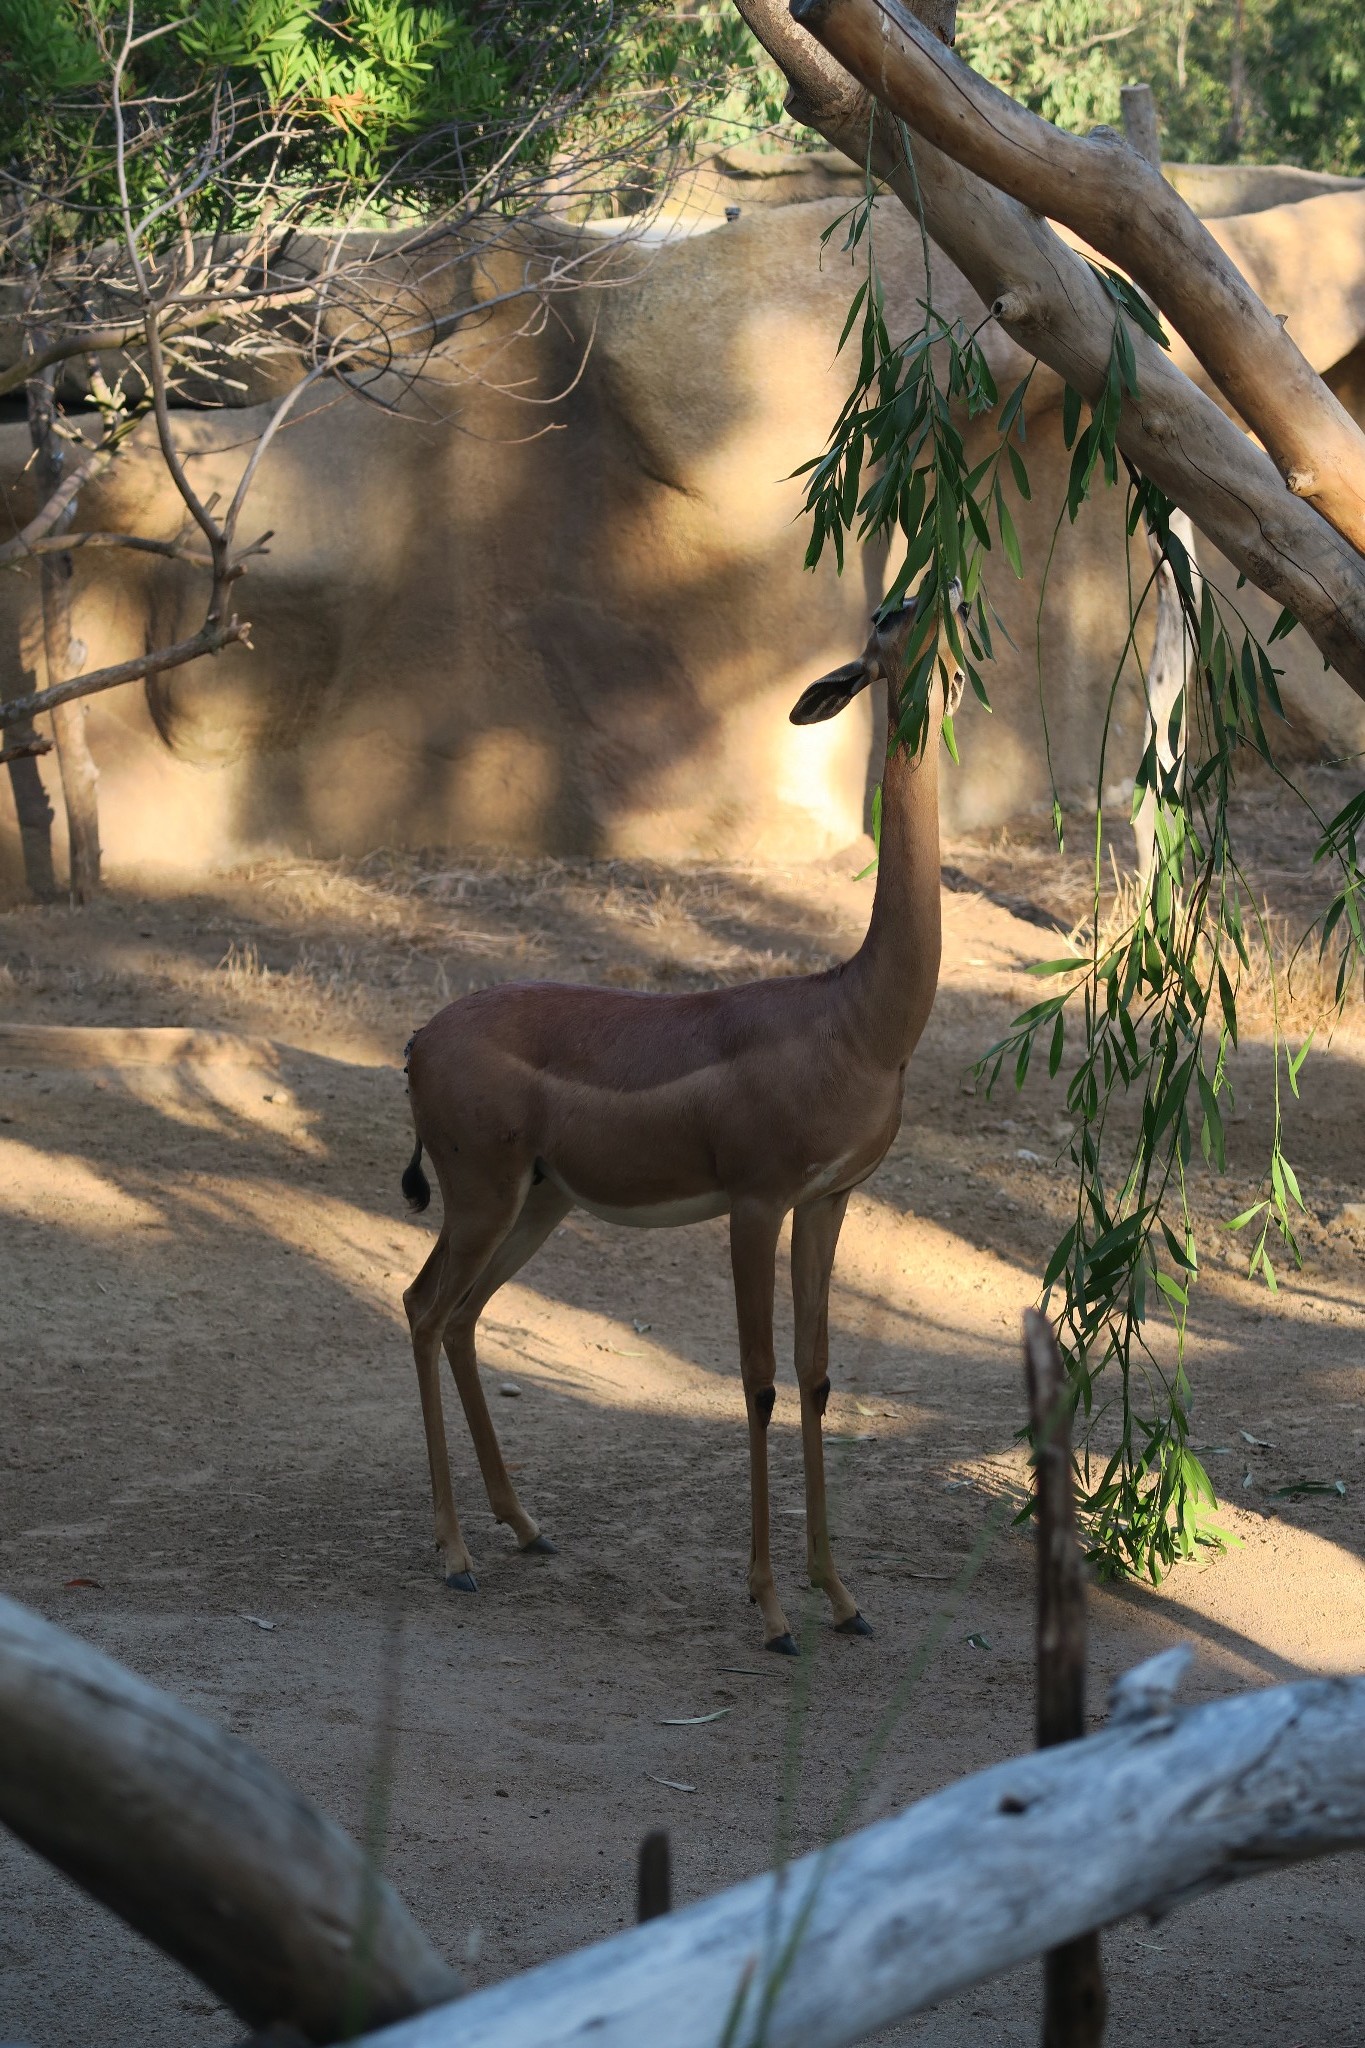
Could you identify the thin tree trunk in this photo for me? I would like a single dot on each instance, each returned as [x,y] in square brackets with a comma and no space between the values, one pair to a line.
[1168,675]
[1168,672]
[1075,2002]
[62,657]
[80,776]
[22,745]
[34,813]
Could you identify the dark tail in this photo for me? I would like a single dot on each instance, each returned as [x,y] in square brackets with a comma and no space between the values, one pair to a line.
[416,1186]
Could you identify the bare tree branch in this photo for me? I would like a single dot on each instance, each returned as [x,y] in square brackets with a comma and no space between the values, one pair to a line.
[209,639]
[29,538]
[20,550]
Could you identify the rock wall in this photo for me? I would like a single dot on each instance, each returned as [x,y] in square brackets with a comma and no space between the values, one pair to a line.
[579,625]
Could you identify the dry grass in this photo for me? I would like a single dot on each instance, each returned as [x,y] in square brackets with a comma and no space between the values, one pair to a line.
[1283,978]
[1275,836]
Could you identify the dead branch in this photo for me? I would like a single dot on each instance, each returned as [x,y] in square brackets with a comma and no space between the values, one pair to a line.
[1050,301]
[210,639]
[1105,192]
[194,1840]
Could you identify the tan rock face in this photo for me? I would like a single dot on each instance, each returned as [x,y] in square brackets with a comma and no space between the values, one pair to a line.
[589,640]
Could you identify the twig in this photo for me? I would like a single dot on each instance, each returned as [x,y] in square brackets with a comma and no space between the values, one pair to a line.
[23,750]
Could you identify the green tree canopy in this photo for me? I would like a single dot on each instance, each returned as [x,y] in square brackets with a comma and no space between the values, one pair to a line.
[1236,80]
[317,107]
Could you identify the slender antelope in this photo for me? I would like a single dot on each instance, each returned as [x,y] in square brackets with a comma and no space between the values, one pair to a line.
[773,1098]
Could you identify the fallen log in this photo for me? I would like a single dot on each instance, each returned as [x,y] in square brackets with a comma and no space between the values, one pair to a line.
[195,1841]
[200,1845]
[1154,1810]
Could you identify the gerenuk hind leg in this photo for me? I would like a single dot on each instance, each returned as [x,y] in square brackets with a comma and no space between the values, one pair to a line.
[465,1246]
[545,1206]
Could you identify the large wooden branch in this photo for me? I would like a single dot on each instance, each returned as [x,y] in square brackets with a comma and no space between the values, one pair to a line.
[1124,208]
[195,1841]
[970,1882]
[1048,300]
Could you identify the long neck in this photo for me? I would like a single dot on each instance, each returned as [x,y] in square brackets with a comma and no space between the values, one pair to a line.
[895,972]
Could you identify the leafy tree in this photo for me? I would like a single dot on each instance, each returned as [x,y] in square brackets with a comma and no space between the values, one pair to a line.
[1313,84]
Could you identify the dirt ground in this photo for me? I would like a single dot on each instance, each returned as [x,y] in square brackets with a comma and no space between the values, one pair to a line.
[208,1410]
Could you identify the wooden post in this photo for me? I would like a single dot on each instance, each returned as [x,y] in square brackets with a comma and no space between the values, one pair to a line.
[654,1878]
[1074,2000]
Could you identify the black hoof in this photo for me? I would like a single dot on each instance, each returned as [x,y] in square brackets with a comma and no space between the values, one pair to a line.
[462,1582]
[540,1546]
[783,1646]
[856,1625]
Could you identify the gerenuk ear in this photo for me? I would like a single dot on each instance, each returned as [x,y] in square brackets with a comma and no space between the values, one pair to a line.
[830,694]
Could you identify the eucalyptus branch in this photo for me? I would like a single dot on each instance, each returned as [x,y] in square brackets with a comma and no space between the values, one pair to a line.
[1052,302]
[1124,208]
[1148,1013]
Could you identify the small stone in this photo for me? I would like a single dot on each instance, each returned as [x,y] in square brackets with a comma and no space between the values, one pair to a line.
[510,1390]
[1351,1216]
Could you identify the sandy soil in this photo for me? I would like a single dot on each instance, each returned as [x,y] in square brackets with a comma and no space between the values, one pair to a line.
[208,1409]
